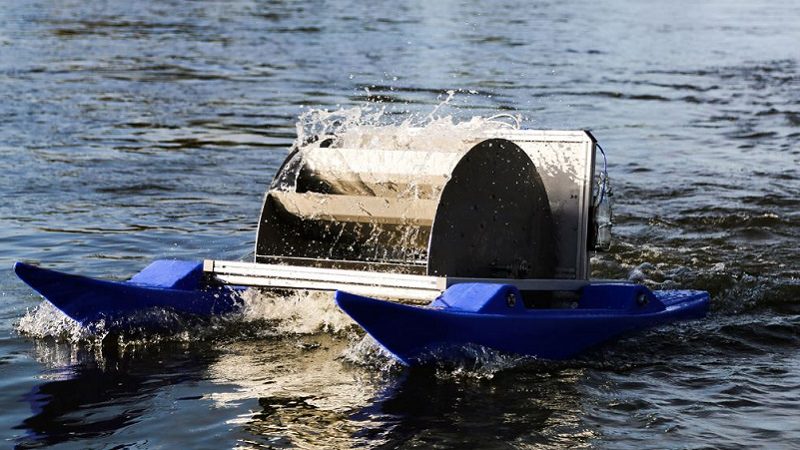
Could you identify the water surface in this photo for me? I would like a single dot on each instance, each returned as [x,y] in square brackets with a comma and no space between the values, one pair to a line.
[139,130]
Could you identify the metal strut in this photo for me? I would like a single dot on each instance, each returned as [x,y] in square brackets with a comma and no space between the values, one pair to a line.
[420,288]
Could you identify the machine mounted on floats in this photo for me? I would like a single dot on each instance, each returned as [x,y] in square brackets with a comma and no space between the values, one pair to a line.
[484,243]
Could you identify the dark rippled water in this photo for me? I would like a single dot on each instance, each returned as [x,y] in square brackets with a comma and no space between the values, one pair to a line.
[136,130]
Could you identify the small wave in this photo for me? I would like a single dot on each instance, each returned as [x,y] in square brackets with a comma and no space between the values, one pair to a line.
[47,321]
[476,362]
[463,361]
[366,352]
[736,286]
[295,312]
[262,314]
[726,219]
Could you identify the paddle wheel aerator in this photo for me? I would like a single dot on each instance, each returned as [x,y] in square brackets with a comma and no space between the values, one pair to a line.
[492,232]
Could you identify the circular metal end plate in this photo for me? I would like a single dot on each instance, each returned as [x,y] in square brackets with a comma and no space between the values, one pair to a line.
[493,219]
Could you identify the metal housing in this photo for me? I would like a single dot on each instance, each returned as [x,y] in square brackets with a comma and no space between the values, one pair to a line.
[514,204]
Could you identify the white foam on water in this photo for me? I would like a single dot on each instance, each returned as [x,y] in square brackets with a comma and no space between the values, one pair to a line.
[295,312]
[47,321]
[467,361]
[479,362]
[263,313]
[366,352]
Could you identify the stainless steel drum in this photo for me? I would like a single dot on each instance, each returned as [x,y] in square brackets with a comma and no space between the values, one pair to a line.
[513,205]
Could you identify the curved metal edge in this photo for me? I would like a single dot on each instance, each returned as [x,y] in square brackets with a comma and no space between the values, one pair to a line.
[504,229]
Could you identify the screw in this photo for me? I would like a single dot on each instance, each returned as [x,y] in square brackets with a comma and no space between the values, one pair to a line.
[511,300]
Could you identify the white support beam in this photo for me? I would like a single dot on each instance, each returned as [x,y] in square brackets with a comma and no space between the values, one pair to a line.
[391,285]
[378,284]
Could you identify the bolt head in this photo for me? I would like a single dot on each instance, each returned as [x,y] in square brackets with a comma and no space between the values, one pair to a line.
[511,300]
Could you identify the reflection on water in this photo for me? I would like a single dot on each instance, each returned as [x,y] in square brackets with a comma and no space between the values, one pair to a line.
[306,393]
[299,391]
[309,397]
[521,407]
[91,395]
[304,390]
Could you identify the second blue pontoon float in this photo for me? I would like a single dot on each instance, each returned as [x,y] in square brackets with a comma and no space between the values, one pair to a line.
[485,243]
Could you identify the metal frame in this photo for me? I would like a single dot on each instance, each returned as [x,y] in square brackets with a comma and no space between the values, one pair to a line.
[278,276]
[388,285]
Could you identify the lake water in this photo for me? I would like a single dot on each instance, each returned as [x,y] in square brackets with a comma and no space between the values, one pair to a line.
[131,131]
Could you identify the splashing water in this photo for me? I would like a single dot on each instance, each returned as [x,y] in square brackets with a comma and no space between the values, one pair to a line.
[372,126]
[365,351]
[296,312]
[263,313]
[467,361]
[47,321]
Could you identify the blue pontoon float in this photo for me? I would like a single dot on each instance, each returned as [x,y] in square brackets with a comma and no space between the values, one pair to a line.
[485,242]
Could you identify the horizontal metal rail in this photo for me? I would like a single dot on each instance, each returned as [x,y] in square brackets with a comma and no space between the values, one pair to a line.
[391,285]
[387,285]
